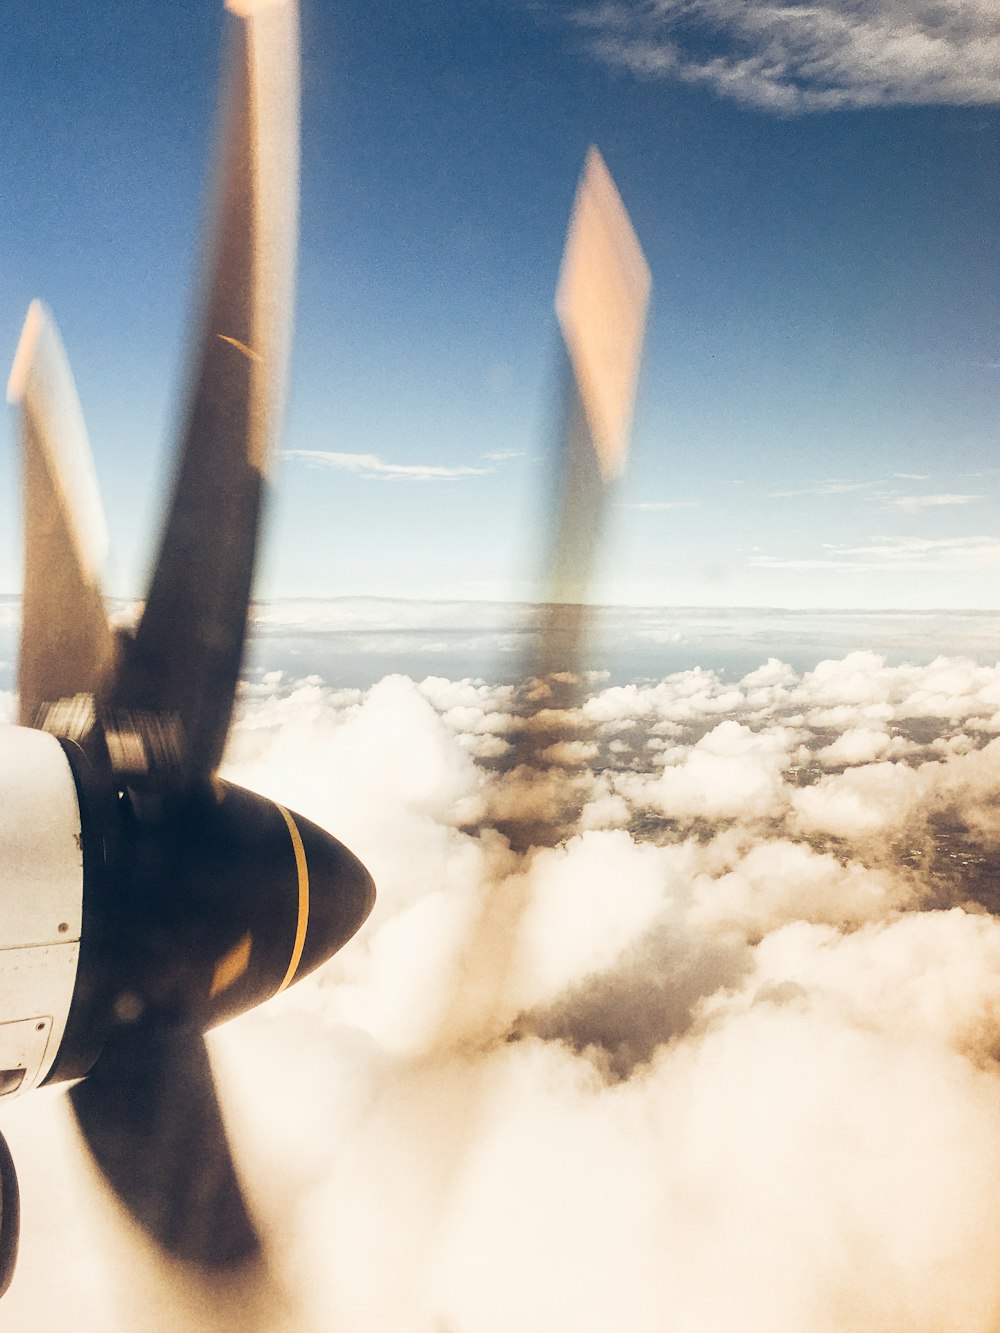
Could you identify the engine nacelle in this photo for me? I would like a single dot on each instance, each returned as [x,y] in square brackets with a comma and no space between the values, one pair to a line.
[41,903]
[191,910]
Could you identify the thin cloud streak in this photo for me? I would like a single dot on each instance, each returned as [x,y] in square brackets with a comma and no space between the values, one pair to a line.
[943,554]
[823,488]
[915,502]
[371,467]
[825,56]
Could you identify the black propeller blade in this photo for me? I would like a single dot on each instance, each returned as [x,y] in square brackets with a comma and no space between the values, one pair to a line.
[184,660]
[10,1216]
[150,1115]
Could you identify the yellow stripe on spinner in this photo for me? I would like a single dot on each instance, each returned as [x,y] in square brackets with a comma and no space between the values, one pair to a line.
[303,923]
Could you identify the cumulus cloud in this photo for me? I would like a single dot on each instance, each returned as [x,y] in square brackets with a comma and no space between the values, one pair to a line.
[825,56]
[693,1004]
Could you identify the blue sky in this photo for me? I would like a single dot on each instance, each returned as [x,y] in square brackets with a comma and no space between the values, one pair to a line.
[816,190]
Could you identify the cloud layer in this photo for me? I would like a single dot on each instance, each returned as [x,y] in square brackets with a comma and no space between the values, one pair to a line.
[823,56]
[719,1043]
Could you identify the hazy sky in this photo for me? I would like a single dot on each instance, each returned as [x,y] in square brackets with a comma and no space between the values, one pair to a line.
[816,189]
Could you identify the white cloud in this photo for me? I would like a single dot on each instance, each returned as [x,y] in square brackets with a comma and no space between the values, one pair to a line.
[577,1085]
[823,488]
[950,554]
[827,55]
[877,800]
[660,504]
[857,745]
[916,502]
[782,880]
[371,466]
[570,754]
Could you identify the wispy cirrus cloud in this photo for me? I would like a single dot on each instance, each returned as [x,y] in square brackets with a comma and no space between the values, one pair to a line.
[822,488]
[371,466]
[659,504]
[912,503]
[947,554]
[822,56]
[504,455]
[883,493]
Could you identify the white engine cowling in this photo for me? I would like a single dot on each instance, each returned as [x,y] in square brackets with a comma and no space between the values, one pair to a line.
[41,903]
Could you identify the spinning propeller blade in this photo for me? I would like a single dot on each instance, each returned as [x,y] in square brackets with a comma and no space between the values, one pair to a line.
[601,302]
[150,1115]
[66,644]
[10,1216]
[184,660]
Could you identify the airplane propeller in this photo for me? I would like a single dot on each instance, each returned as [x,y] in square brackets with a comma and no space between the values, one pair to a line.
[199,899]
[170,899]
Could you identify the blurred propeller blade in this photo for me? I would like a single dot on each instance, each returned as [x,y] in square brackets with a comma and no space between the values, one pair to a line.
[603,297]
[185,657]
[149,1112]
[10,1216]
[601,303]
[66,643]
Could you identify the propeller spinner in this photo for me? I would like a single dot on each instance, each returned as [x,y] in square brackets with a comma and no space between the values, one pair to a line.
[150,900]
